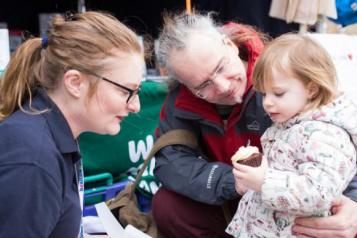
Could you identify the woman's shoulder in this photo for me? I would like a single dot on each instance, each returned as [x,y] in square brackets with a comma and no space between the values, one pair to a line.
[23,137]
[21,125]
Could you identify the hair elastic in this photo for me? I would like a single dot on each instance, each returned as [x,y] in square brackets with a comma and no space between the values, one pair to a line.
[44,42]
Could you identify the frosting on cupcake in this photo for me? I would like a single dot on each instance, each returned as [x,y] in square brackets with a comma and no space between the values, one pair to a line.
[244,152]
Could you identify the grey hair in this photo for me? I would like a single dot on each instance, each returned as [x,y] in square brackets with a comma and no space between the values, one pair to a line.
[178,29]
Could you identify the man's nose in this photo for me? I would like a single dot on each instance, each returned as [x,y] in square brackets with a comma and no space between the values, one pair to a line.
[222,84]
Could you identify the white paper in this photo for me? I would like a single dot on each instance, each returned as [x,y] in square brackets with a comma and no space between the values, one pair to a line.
[131,230]
[113,228]
[110,224]
[92,225]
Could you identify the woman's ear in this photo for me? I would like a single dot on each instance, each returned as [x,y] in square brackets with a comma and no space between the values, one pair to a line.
[73,82]
[313,90]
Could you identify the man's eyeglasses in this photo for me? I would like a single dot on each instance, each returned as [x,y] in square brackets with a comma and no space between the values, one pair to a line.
[203,90]
[132,93]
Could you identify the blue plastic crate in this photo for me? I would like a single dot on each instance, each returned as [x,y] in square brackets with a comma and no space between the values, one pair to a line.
[110,192]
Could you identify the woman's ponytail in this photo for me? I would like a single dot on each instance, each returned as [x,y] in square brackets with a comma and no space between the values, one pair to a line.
[19,80]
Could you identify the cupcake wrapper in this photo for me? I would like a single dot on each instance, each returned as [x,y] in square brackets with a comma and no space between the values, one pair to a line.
[254,160]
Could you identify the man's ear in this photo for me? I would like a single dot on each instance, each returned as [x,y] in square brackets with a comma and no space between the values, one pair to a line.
[228,42]
[73,82]
[313,90]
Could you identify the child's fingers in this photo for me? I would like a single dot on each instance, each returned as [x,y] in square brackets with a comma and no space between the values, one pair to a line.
[241,167]
[239,174]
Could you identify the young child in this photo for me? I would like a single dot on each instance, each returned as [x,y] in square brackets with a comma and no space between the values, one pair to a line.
[309,153]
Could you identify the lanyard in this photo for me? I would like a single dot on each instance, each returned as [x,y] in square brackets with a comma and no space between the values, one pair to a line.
[80,183]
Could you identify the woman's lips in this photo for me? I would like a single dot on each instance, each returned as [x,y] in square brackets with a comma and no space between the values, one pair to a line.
[120,118]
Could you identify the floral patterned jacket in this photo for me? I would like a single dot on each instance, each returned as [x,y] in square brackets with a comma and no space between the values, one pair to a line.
[312,158]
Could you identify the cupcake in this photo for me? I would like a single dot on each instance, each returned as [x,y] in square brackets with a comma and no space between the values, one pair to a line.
[249,155]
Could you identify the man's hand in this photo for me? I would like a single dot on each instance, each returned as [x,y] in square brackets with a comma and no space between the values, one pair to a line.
[247,177]
[343,222]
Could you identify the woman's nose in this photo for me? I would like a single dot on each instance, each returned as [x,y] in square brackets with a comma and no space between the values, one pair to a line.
[134,105]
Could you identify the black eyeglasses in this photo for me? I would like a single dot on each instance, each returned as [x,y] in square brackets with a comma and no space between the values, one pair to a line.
[132,92]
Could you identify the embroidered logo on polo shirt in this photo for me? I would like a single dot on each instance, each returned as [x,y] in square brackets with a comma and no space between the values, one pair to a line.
[253,126]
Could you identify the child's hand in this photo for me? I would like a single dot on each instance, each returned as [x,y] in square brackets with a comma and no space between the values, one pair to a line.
[240,188]
[249,177]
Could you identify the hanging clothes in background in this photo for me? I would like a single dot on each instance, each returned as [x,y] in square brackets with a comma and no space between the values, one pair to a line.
[302,11]
[252,12]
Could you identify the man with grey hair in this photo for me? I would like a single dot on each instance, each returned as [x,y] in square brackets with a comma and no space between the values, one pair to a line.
[213,98]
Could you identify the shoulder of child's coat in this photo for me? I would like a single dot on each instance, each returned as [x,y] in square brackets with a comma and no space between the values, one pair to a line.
[302,129]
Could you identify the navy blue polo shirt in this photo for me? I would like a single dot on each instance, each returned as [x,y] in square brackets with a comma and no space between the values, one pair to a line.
[38,187]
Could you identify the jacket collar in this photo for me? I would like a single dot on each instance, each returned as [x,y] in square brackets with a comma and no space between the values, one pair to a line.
[188,102]
[61,132]
[194,108]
